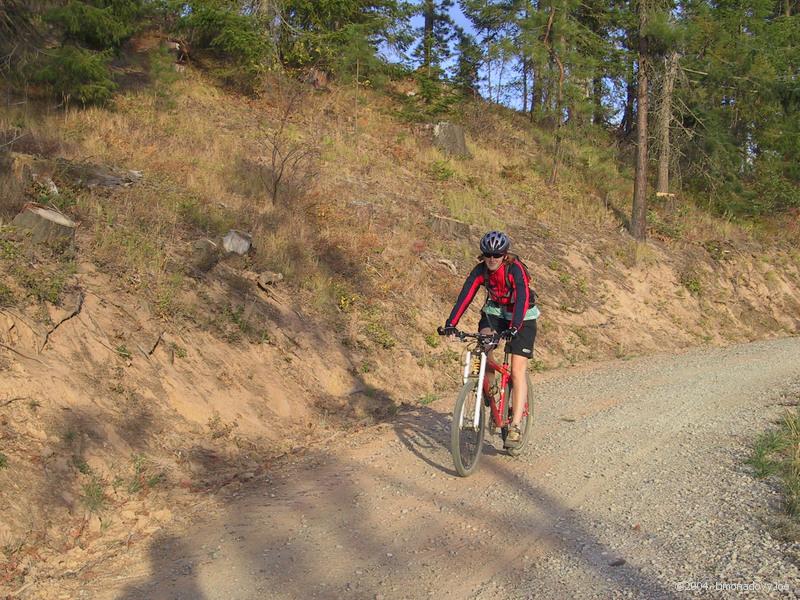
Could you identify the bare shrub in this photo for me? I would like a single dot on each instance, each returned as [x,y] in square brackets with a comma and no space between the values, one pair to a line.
[289,159]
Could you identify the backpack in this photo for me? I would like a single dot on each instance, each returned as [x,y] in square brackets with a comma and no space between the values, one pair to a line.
[531,292]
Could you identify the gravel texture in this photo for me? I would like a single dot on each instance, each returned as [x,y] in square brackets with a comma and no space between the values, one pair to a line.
[635,486]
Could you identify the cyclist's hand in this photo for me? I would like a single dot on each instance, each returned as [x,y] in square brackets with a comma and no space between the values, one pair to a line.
[447,330]
[510,333]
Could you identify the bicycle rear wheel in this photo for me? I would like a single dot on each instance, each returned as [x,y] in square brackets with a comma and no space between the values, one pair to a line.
[466,441]
[525,425]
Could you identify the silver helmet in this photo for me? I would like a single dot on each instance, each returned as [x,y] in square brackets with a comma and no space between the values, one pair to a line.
[495,242]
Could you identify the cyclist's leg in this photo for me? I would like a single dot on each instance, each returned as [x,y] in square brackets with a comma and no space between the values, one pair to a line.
[521,352]
[485,327]
[519,367]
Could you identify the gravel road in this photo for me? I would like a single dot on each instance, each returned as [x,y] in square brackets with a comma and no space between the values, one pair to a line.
[635,486]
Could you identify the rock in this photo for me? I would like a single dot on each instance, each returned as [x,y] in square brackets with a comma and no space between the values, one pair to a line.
[45,225]
[205,255]
[448,226]
[449,138]
[237,242]
[617,562]
[127,515]
[268,278]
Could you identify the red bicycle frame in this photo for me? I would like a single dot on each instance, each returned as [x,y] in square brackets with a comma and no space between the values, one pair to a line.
[498,405]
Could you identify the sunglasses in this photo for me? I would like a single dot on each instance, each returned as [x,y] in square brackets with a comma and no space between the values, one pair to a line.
[494,255]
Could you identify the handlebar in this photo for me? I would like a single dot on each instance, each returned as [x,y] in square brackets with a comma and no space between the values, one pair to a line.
[484,339]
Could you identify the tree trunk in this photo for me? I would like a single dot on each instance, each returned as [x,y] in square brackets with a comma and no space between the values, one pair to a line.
[536,90]
[626,125]
[427,39]
[664,120]
[639,214]
[524,86]
[597,92]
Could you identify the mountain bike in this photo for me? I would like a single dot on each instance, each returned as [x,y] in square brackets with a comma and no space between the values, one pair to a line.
[469,414]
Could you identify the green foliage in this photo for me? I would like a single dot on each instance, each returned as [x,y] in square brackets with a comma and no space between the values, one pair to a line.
[93,495]
[42,285]
[691,281]
[3,461]
[97,27]
[432,339]
[233,36]
[428,398]
[73,73]
[743,107]
[441,170]
[378,334]
[6,295]
[777,453]
[81,465]
[144,477]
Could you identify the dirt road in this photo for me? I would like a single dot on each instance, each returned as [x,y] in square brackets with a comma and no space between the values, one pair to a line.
[635,486]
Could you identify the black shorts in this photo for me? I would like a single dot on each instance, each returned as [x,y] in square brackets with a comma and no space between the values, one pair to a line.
[522,344]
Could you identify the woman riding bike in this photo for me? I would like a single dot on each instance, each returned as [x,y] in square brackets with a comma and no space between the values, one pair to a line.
[510,311]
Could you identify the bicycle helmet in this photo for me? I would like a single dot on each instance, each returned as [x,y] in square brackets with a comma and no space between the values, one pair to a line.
[495,242]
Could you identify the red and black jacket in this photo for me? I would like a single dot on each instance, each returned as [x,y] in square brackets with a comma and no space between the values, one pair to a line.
[507,286]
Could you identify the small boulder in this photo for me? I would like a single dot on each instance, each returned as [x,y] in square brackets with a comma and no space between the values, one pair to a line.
[237,242]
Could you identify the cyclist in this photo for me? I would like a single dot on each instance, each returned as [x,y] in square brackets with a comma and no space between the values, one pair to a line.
[510,311]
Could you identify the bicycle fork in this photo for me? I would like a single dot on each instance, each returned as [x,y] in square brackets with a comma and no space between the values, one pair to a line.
[468,368]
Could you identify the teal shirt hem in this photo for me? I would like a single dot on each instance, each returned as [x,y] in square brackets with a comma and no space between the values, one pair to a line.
[496,311]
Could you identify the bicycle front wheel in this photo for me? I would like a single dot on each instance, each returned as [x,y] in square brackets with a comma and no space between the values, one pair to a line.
[466,440]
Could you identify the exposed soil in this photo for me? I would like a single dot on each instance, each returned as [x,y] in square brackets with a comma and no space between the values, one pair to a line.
[634,485]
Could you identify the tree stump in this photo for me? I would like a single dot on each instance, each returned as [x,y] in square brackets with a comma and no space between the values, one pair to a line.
[449,138]
[45,225]
[450,227]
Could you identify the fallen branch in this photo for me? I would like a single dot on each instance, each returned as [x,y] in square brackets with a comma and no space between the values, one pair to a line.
[10,400]
[22,354]
[67,318]
[155,345]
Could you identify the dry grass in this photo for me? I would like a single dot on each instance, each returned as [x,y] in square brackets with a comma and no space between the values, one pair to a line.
[202,152]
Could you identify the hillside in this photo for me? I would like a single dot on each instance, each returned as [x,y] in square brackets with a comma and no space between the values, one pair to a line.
[138,380]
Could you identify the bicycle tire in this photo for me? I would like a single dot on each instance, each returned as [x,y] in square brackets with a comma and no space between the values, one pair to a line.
[466,445]
[527,422]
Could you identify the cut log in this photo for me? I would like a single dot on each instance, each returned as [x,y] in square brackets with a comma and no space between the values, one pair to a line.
[45,225]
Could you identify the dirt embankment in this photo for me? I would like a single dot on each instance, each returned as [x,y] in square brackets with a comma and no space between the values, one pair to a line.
[634,486]
[122,422]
